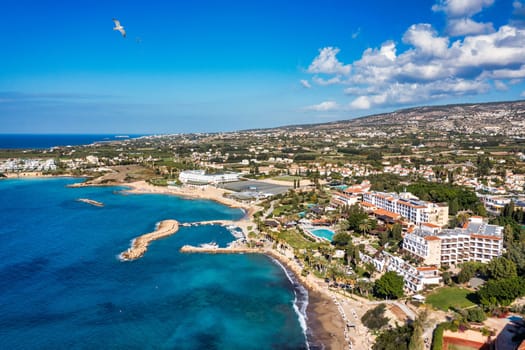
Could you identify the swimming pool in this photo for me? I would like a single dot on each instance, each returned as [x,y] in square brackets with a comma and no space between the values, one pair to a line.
[323,233]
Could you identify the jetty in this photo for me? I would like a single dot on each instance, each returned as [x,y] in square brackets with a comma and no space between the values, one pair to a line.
[217,250]
[91,201]
[139,245]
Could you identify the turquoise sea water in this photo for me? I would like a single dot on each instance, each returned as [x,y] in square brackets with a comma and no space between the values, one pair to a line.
[62,285]
[324,233]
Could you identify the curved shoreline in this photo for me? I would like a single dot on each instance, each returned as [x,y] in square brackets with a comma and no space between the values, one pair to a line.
[139,245]
[326,326]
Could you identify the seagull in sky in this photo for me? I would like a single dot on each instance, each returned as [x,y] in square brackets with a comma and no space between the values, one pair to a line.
[119,27]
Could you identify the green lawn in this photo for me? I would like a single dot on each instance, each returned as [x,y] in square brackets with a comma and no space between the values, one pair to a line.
[446,297]
[296,240]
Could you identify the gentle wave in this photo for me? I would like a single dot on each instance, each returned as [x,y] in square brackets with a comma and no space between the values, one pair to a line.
[301,299]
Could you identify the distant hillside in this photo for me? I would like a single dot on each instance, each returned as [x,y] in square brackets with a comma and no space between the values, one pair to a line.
[507,118]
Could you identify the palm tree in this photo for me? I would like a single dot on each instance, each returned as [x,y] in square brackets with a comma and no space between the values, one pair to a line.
[462,217]
[365,226]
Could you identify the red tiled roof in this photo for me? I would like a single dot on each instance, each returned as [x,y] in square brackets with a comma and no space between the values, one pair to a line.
[426,268]
[383,212]
[428,224]
[431,238]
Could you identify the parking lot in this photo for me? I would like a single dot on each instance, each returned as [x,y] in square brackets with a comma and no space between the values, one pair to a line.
[256,186]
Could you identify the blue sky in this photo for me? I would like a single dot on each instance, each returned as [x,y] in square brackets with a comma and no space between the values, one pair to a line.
[193,66]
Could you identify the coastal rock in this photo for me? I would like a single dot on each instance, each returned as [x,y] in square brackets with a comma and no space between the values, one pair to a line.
[139,246]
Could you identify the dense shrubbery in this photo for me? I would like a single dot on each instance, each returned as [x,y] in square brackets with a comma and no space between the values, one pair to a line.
[375,318]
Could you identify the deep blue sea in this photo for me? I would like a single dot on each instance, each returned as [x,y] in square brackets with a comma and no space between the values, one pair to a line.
[62,285]
[13,141]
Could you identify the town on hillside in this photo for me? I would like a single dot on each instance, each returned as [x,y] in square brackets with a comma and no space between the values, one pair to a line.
[415,226]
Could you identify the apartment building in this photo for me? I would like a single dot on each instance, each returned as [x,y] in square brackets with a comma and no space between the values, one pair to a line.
[409,207]
[476,241]
[350,195]
[415,278]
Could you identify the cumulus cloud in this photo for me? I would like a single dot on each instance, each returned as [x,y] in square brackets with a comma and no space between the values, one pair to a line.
[327,63]
[466,26]
[305,84]
[460,8]
[433,66]
[523,94]
[425,39]
[459,13]
[325,106]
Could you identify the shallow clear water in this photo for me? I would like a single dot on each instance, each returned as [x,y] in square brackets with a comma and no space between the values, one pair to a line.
[62,285]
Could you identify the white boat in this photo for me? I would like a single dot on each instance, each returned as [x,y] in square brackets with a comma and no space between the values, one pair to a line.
[211,245]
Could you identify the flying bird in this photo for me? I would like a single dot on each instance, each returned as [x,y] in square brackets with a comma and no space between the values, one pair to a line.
[119,27]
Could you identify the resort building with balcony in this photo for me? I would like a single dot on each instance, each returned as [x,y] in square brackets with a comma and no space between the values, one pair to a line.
[415,278]
[409,207]
[475,241]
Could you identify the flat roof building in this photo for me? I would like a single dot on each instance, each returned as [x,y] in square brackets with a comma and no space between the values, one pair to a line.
[476,241]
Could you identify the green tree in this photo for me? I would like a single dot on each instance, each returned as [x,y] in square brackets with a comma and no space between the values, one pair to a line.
[396,231]
[355,215]
[453,206]
[469,270]
[416,340]
[390,285]
[375,318]
[501,267]
[394,339]
[365,226]
[476,314]
[341,239]
[501,292]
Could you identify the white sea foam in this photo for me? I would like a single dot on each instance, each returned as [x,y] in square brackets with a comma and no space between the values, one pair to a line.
[300,302]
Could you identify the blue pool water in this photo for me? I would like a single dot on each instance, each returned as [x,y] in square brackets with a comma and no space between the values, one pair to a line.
[323,233]
[62,285]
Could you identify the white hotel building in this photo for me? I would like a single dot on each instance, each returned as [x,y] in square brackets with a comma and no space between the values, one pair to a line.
[409,207]
[415,278]
[476,241]
[199,177]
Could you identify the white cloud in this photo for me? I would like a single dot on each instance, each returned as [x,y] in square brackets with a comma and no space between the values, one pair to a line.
[424,38]
[523,94]
[324,82]
[361,102]
[466,26]
[325,106]
[459,13]
[433,67]
[305,84]
[461,8]
[327,63]
[498,84]
[356,33]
